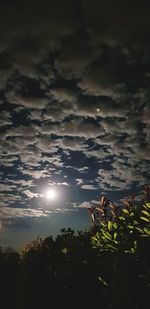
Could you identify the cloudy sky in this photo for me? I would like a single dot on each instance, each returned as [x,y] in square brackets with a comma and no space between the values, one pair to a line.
[75,110]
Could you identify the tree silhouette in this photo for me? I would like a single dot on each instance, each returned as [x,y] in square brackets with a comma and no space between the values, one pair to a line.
[106,267]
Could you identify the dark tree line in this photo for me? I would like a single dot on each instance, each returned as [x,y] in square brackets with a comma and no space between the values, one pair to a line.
[107,267]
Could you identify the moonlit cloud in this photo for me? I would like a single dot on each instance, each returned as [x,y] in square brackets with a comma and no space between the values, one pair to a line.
[31,194]
[88,187]
[26,101]
[8,212]
[74,98]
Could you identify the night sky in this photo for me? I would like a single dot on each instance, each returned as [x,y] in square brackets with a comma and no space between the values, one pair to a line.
[75,111]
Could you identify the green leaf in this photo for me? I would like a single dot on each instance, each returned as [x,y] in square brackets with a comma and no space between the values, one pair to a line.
[115,225]
[110,246]
[125,211]
[144,219]
[132,214]
[147,231]
[139,229]
[65,250]
[148,205]
[131,227]
[133,250]
[94,238]
[121,218]
[103,224]
[107,235]
[146,213]
[97,235]
[115,236]
[109,225]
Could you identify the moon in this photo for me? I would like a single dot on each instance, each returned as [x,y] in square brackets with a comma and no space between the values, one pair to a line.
[51,194]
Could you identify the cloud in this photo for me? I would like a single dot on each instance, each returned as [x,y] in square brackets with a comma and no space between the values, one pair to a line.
[27,101]
[146,115]
[85,205]
[81,183]
[83,169]
[63,94]
[22,182]
[8,160]
[5,119]
[88,204]
[98,81]
[51,21]
[74,98]
[72,128]
[74,58]
[9,213]
[32,194]
[31,156]
[9,198]
[99,154]
[6,187]
[47,144]
[25,131]
[88,187]
[34,173]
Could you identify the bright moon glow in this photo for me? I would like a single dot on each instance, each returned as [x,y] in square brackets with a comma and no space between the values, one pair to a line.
[51,194]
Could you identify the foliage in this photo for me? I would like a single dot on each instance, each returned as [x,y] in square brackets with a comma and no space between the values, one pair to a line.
[106,267]
[125,233]
[127,237]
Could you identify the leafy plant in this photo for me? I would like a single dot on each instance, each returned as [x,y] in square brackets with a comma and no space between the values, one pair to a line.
[124,235]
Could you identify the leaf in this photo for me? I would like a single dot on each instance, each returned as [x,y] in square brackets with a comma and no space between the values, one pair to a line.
[144,219]
[132,214]
[97,235]
[102,280]
[115,236]
[115,225]
[110,246]
[125,211]
[133,250]
[127,251]
[139,229]
[109,225]
[148,205]
[146,213]
[131,227]
[65,250]
[107,235]
[147,231]
[121,218]
[95,240]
